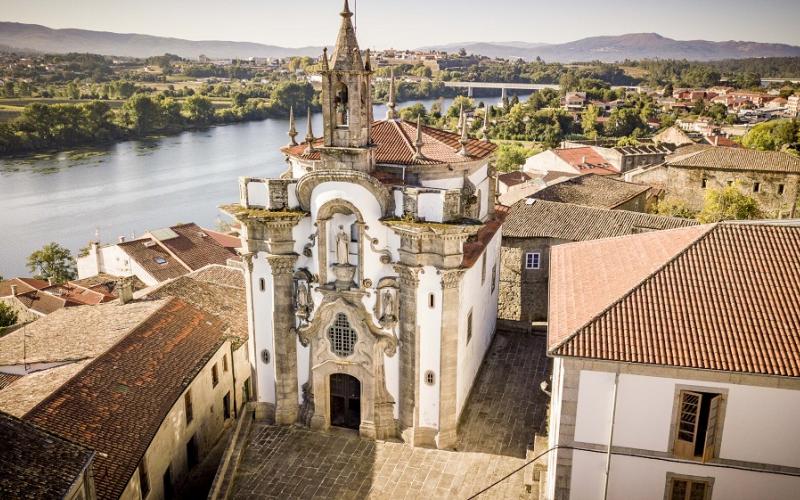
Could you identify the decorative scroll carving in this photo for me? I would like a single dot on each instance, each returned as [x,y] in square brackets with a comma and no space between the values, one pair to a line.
[385,254]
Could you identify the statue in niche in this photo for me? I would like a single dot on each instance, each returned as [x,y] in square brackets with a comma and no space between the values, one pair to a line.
[342,250]
[302,300]
[388,315]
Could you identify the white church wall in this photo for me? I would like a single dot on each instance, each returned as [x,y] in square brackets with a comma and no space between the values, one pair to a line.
[430,206]
[429,328]
[482,301]
[456,182]
[397,194]
[292,199]
[263,328]
[298,170]
[257,194]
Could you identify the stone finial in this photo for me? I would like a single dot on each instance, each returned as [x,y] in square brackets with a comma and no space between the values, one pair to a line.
[325,59]
[486,116]
[391,113]
[464,137]
[346,10]
[367,61]
[418,142]
[292,130]
[309,134]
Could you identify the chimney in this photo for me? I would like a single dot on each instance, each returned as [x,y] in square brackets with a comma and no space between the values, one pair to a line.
[583,160]
[13,290]
[125,291]
[716,140]
[122,239]
[50,281]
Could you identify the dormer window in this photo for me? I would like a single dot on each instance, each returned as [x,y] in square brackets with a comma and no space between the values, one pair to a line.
[160,261]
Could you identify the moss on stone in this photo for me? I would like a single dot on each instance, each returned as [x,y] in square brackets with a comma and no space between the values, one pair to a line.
[244,213]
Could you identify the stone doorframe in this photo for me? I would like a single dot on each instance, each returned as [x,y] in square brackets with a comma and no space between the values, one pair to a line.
[365,364]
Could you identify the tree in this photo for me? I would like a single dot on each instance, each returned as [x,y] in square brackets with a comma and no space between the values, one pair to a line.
[673,207]
[511,156]
[52,261]
[199,110]
[142,114]
[624,121]
[772,135]
[410,113]
[589,121]
[728,203]
[8,316]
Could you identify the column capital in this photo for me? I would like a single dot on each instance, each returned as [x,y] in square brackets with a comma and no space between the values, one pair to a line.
[282,264]
[408,274]
[451,278]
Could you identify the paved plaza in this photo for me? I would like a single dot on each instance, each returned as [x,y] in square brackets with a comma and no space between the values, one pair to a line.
[505,408]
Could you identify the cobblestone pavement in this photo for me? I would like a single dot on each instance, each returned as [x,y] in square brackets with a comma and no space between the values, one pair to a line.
[293,462]
[505,408]
[506,405]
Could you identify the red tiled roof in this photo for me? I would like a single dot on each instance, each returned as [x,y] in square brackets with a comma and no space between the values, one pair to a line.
[586,161]
[72,292]
[7,379]
[159,263]
[118,402]
[720,297]
[513,178]
[475,248]
[43,302]
[196,248]
[226,240]
[23,285]
[735,159]
[592,190]
[394,140]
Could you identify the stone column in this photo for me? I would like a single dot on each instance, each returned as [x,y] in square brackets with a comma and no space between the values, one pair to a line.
[283,321]
[448,370]
[409,347]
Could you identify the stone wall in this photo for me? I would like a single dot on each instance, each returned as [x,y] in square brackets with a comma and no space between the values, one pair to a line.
[637,204]
[523,292]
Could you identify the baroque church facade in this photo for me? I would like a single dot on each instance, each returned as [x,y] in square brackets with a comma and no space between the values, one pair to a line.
[371,267]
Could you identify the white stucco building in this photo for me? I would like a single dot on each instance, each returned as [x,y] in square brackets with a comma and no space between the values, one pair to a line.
[678,352]
[371,267]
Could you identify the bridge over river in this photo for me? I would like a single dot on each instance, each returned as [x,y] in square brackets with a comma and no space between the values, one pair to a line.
[503,86]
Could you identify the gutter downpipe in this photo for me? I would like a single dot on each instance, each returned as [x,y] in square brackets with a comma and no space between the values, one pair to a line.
[611,435]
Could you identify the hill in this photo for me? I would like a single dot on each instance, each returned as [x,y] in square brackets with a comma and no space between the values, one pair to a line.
[43,39]
[630,46]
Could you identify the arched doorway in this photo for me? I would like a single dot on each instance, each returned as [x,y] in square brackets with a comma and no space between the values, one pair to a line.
[345,401]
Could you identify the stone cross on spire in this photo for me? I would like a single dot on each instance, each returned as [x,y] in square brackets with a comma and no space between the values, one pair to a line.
[346,54]
[309,134]
[292,130]
[391,113]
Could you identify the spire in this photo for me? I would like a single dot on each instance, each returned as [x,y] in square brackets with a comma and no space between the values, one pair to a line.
[486,116]
[418,142]
[292,129]
[346,55]
[464,137]
[391,114]
[325,59]
[309,134]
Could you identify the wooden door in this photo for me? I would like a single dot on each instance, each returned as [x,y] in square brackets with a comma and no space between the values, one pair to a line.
[345,401]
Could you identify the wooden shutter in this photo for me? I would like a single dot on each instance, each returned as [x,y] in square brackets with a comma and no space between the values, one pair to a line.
[688,417]
[711,433]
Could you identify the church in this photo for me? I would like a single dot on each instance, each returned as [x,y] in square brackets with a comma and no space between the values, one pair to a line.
[371,267]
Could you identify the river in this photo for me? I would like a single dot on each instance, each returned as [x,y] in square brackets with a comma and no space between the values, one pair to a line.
[134,186]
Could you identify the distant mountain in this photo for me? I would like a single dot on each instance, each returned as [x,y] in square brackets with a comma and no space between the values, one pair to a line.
[43,39]
[630,46]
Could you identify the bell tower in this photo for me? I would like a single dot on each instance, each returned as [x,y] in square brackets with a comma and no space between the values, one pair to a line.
[346,94]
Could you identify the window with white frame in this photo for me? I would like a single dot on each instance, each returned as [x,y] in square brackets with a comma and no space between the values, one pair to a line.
[533,260]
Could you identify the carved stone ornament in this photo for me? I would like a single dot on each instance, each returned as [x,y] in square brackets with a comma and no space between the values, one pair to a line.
[385,254]
[359,318]
[386,303]
[303,302]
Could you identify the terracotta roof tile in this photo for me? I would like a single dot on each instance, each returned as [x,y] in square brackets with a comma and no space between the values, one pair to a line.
[154,259]
[586,160]
[23,285]
[118,402]
[566,221]
[35,463]
[394,141]
[474,249]
[721,297]
[591,190]
[514,178]
[7,379]
[196,248]
[726,158]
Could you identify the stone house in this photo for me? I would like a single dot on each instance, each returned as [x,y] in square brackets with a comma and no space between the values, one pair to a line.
[37,464]
[152,406]
[569,162]
[533,227]
[371,267]
[513,186]
[771,177]
[677,376]
[598,191]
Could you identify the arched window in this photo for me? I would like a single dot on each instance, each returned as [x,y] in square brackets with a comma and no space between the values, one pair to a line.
[342,337]
[341,101]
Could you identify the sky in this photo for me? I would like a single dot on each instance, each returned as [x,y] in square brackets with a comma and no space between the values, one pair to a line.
[414,23]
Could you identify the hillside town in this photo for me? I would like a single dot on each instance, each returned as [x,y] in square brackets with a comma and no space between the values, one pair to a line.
[443,303]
